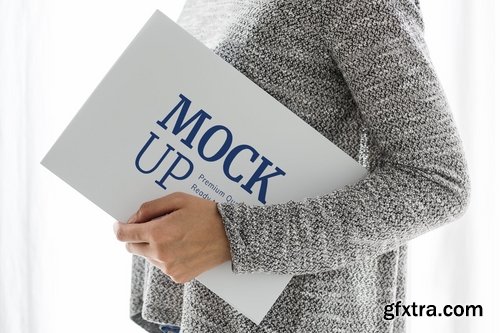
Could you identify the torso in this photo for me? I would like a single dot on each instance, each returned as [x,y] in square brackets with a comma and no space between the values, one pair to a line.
[282,51]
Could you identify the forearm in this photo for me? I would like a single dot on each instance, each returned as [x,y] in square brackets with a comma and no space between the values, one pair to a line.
[384,210]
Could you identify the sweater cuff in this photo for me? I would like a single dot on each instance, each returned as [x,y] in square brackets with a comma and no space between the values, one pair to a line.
[231,218]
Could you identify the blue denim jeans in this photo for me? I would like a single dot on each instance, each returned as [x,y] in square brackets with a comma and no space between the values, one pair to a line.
[170,328]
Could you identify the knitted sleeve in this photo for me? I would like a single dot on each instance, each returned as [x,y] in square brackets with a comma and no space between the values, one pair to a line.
[420,180]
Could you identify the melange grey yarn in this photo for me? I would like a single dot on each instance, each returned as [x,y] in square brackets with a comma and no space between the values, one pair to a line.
[359,72]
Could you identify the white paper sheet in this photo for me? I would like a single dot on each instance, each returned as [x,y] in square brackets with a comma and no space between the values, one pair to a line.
[240,126]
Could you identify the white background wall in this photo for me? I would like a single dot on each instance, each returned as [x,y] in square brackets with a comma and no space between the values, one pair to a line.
[459,264]
[61,268]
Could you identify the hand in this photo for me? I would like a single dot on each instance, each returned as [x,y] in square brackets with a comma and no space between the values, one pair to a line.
[181,234]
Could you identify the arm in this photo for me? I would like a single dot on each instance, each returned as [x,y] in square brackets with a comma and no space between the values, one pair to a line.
[420,180]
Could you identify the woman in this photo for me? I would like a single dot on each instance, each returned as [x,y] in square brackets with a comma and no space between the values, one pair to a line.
[359,72]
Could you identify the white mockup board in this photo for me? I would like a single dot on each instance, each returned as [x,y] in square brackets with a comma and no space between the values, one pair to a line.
[170,115]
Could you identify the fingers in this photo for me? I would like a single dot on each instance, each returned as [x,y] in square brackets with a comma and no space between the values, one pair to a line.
[140,249]
[132,233]
[159,207]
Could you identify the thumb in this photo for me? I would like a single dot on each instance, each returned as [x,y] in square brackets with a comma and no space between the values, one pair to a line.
[156,208]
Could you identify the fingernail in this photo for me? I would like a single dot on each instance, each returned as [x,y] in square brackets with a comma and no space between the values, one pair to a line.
[132,219]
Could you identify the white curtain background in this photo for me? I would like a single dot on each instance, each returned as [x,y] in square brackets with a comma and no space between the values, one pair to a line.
[61,268]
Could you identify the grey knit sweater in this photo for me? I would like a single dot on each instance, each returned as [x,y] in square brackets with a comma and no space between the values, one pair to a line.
[359,72]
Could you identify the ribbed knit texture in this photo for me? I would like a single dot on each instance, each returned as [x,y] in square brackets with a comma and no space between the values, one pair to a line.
[359,72]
